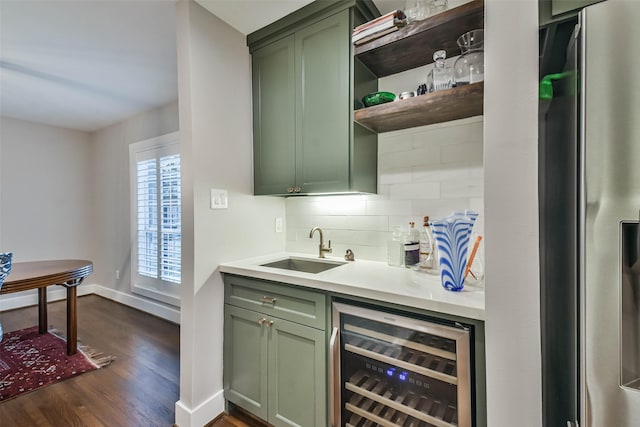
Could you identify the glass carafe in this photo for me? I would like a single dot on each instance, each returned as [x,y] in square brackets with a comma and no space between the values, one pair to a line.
[469,67]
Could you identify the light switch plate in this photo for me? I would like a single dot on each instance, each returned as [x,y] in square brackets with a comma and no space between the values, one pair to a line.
[279,225]
[219,199]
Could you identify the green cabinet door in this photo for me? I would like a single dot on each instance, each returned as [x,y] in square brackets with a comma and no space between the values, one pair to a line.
[274,368]
[302,111]
[274,129]
[322,61]
[297,375]
[245,360]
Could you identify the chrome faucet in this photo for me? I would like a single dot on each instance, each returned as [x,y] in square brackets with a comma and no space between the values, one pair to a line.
[321,248]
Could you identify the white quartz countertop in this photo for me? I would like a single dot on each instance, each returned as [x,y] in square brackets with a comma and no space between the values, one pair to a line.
[370,279]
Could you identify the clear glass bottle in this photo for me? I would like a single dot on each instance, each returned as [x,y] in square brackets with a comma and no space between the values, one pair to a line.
[412,247]
[440,77]
[395,248]
[428,262]
[469,67]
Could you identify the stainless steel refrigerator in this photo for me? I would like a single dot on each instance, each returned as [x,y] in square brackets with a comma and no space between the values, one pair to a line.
[590,224]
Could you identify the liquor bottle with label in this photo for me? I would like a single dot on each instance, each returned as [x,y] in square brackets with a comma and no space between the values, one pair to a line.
[412,247]
[428,260]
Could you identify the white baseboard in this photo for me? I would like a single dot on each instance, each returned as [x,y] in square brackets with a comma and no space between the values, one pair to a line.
[160,310]
[26,299]
[201,414]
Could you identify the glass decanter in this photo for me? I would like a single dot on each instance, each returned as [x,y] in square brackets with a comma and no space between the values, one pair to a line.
[469,67]
[440,77]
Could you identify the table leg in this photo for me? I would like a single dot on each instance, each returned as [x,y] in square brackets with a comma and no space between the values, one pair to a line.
[72,321]
[42,310]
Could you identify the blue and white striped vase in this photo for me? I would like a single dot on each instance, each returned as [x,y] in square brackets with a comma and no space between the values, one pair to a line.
[452,235]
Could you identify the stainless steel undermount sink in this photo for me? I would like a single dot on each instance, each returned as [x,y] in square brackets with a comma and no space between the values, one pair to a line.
[304,265]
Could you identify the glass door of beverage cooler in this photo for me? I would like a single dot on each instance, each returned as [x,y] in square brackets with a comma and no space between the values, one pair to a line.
[390,370]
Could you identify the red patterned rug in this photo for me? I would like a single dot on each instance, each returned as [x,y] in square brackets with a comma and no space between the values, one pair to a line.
[29,360]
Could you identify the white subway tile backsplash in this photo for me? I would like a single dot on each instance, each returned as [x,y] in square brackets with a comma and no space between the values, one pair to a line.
[420,190]
[441,173]
[388,207]
[431,170]
[459,188]
[394,141]
[437,209]
[406,159]
[466,152]
[368,223]
[395,177]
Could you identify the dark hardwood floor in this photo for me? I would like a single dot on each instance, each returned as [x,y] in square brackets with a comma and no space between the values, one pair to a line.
[237,418]
[140,388]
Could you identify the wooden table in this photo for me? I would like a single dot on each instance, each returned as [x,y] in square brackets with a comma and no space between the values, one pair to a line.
[38,275]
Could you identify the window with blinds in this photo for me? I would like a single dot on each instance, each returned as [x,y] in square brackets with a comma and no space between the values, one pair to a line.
[156,218]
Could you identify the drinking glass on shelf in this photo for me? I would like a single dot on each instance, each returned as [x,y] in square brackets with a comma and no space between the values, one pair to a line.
[416,10]
[437,6]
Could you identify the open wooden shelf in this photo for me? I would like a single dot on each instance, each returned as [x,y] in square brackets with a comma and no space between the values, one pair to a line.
[437,107]
[413,46]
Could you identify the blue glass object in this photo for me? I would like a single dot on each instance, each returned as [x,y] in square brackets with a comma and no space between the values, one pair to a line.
[452,235]
[5,269]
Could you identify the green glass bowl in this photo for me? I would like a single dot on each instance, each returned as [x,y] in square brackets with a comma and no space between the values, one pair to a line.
[377,98]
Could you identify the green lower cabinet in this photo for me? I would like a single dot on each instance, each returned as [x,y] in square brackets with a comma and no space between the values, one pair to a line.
[274,368]
[297,377]
[245,360]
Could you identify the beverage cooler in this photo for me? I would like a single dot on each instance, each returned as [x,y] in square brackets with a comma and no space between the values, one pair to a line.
[392,370]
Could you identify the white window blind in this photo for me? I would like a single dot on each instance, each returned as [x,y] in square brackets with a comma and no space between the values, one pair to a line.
[156,219]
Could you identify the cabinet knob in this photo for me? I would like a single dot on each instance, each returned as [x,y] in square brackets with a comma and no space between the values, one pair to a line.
[269,323]
[289,189]
[261,321]
[297,189]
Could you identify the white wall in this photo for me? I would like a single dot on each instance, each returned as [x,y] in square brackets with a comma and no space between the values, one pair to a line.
[111,192]
[45,194]
[216,144]
[47,199]
[512,287]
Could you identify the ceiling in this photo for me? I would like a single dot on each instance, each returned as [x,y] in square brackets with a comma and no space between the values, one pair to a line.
[86,64]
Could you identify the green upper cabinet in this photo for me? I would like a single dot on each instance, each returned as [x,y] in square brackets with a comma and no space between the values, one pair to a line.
[304,139]
[274,113]
[322,149]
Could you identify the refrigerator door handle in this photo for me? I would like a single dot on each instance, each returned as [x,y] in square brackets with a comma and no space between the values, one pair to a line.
[334,374]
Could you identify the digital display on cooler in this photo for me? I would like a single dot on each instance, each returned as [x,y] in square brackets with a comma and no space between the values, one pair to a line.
[402,376]
[393,372]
